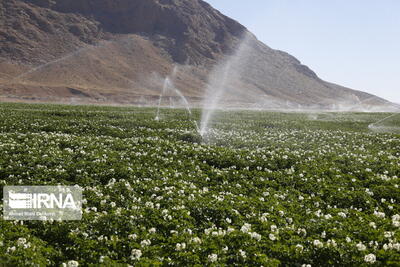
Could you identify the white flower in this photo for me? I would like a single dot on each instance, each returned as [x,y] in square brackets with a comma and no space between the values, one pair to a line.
[348,239]
[21,241]
[272,237]
[11,249]
[370,258]
[361,247]
[318,213]
[255,236]
[372,224]
[332,242]
[145,243]
[213,257]
[73,264]
[136,254]
[379,214]
[180,246]
[342,214]
[318,243]
[306,265]
[195,240]
[242,253]
[299,247]
[228,220]
[302,231]
[396,220]
[149,204]
[388,234]
[264,218]
[132,236]
[245,228]
[152,230]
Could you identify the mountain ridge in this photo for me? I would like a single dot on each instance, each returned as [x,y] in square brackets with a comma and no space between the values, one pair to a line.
[122,49]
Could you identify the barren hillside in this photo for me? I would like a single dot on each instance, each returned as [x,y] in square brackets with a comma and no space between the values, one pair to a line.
[119,51]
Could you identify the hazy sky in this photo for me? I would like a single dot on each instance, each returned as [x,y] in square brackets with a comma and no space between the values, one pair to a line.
[355,43]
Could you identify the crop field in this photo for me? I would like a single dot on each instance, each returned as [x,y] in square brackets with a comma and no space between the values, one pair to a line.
[262,189]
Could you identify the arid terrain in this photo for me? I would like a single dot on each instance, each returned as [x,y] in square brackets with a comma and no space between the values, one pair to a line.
[119,52]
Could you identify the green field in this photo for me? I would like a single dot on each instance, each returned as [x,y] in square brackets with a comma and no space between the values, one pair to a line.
[266,189]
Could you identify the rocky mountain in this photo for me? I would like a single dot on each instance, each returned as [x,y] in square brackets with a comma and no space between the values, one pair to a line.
[120,51]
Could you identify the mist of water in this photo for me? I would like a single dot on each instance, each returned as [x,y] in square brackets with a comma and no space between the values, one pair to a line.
[187,106]
[38,68]
[168,85]
[163,90]
[61,59]
[376,124]
[188,109]
[220,82]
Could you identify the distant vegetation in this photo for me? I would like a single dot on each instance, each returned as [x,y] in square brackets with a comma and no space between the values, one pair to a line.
[270,189]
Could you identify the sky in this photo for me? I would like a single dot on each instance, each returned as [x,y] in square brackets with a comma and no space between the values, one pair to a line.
[354,43]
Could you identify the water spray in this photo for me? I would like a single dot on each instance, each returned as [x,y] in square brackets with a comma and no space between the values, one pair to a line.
[68,56]
[168,85]
[164,89]
[373,125]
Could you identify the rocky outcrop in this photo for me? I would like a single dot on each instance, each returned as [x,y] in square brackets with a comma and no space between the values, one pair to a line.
[33,35]
[198,31]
